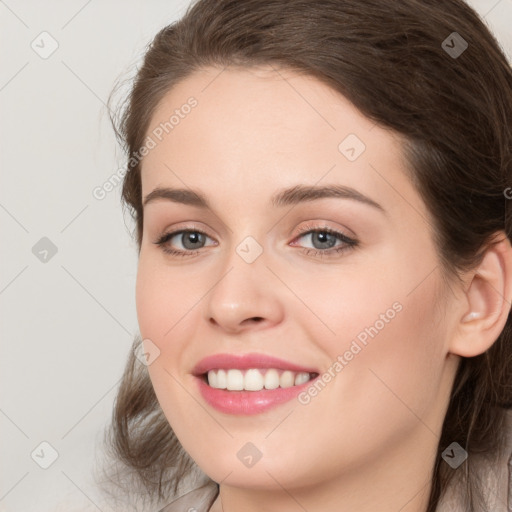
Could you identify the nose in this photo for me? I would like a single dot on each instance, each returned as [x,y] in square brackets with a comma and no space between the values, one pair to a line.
[244,296]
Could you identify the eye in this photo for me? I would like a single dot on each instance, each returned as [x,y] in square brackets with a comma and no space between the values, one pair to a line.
[324,240]
[190,239]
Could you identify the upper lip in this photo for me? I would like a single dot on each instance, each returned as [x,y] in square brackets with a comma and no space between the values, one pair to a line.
[245,362]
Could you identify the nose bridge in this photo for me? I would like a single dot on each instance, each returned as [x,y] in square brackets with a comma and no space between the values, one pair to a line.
[243,289]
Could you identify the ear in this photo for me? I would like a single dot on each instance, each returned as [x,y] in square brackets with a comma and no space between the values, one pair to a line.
[486,302]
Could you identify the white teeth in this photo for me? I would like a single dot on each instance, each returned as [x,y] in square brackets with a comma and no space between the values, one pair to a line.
[301,377]
[221,379]
[255,379]
[235,380]
[287,379]
[271,379]
[212,379]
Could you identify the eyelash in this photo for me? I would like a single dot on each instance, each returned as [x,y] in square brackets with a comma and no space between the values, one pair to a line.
[349,243]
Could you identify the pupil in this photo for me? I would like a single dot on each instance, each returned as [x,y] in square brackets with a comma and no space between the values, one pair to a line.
[193,237]
[323,237]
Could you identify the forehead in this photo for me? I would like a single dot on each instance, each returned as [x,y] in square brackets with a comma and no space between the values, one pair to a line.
[252,130]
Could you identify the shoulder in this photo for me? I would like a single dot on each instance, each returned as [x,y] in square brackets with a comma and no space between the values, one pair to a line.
[197,500]
[497,479]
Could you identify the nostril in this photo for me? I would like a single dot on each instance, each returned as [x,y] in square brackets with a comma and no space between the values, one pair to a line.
[254,319]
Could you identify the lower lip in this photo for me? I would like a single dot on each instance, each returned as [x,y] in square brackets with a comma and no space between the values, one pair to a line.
[248,402]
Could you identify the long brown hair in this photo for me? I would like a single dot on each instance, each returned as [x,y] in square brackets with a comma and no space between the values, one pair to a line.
[393,61]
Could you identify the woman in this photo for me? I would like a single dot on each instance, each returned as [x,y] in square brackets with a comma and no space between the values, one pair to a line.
[325,268]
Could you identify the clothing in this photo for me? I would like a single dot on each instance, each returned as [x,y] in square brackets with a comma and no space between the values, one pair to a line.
[498,482]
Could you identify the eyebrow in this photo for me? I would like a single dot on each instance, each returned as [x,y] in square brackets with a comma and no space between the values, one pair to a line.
[286,197]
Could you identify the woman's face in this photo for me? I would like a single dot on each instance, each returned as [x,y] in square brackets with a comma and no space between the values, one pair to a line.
[366,310]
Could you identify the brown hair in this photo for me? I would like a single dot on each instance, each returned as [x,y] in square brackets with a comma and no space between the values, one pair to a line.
[454,114]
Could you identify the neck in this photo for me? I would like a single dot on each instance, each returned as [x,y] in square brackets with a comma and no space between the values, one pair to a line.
[398,480]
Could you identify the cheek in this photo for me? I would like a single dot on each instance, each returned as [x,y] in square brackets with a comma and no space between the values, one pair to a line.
[391,364]
[386,345]
[165,308]
[151,301]
[165,300]
[168,303]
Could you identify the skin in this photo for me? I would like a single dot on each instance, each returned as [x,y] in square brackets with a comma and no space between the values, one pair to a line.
[368,440]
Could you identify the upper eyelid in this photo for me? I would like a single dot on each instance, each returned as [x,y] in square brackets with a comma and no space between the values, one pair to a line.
[303,231]
[188,227]
[310,227]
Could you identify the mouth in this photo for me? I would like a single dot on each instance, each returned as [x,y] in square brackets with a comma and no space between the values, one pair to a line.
[249,384]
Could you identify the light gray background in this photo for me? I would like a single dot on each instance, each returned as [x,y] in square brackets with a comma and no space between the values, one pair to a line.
[67,323]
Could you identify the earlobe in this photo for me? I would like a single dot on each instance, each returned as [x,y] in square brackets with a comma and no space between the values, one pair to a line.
[487,301]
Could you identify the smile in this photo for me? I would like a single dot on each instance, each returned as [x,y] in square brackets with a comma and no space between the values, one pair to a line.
[245,384]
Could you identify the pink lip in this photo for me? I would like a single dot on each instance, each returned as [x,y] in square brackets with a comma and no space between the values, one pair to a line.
[245,362]
[247,402]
